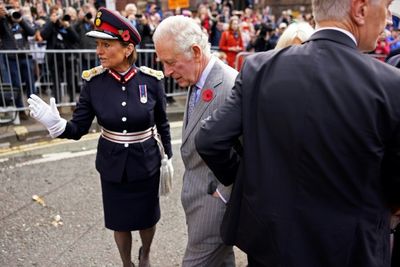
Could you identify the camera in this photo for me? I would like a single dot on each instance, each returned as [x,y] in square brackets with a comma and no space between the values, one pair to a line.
[138,16]
[15,14]
[66,17]
[88,16]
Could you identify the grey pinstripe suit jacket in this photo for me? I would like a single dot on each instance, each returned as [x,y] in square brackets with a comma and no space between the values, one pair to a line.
[203,212]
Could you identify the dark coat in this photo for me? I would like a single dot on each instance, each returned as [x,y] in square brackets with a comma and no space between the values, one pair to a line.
[9,30]
[321,136]
[58,37]
[103,97]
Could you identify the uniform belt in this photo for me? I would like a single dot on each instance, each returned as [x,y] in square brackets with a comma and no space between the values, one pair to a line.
[128,138]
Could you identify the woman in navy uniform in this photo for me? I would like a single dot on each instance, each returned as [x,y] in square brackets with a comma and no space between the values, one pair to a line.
[129,103]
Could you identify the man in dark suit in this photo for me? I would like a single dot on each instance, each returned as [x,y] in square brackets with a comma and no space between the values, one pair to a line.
[320,172]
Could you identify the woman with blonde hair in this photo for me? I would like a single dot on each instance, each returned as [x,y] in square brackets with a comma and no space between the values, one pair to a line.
[296,33]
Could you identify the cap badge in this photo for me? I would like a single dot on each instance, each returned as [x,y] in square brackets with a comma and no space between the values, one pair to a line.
[98,15]
[97,22]
[143,93]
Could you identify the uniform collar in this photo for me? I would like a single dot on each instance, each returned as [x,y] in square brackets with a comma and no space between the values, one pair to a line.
[123,78]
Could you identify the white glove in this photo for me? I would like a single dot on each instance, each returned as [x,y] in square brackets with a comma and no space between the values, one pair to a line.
[170,167]
[166,175]
[47,115]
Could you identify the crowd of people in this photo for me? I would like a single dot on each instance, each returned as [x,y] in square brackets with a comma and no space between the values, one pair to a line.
[295,170]
[39,25]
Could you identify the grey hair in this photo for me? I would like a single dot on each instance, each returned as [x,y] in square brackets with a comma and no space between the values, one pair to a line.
[185,32]
[332,9]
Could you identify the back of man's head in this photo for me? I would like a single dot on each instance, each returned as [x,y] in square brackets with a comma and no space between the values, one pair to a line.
[331,9]
[184,31]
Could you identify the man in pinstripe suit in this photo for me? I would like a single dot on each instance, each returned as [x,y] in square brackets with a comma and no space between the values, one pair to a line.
[184,50]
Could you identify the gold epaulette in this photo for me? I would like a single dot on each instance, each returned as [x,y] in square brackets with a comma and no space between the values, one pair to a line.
[158,74]
[89,74]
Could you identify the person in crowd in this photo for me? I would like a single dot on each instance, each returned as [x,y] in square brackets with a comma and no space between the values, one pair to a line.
[152,18]
[318,177]
[16,69]
[72,13]
[275,35]
[295,34]
[284,18]
[129,103]
[140,22]
[247,32]
[231,42]
[393,39]
[84,25]
[260,42]
[382,49]
[183,49]
[226,12]
[60,35]
[130,13]
[203,16]
[217,29]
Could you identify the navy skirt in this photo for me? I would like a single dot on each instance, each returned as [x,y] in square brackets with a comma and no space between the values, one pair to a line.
[130,206]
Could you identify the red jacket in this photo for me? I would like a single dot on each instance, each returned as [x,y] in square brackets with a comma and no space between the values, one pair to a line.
[227,41]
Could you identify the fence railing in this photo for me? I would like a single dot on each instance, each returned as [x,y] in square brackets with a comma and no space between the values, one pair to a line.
[56,73]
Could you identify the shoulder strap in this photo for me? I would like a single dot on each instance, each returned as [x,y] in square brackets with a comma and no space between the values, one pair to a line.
[155,73]
[89,74]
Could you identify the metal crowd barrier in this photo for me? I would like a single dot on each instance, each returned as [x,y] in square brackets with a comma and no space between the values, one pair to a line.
[58,73]
[55,73]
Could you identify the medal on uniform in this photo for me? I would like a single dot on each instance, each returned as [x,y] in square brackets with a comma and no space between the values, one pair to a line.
[143,93]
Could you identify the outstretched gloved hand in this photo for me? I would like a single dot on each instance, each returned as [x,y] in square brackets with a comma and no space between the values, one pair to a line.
[47,115]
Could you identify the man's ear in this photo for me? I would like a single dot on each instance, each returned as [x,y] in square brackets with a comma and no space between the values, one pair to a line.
[358,11]
[197,52]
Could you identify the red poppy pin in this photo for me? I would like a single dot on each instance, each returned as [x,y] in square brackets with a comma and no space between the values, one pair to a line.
[125,35]
[207,95]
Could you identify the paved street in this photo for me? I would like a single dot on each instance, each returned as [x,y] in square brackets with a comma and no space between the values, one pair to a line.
[64,227]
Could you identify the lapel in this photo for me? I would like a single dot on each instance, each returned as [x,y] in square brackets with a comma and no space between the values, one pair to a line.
[213,80]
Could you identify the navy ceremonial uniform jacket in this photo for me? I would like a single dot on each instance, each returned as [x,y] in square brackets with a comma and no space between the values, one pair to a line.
[115,101]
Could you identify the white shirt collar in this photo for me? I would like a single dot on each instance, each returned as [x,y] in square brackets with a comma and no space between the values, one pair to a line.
[206,71]
[338,29]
